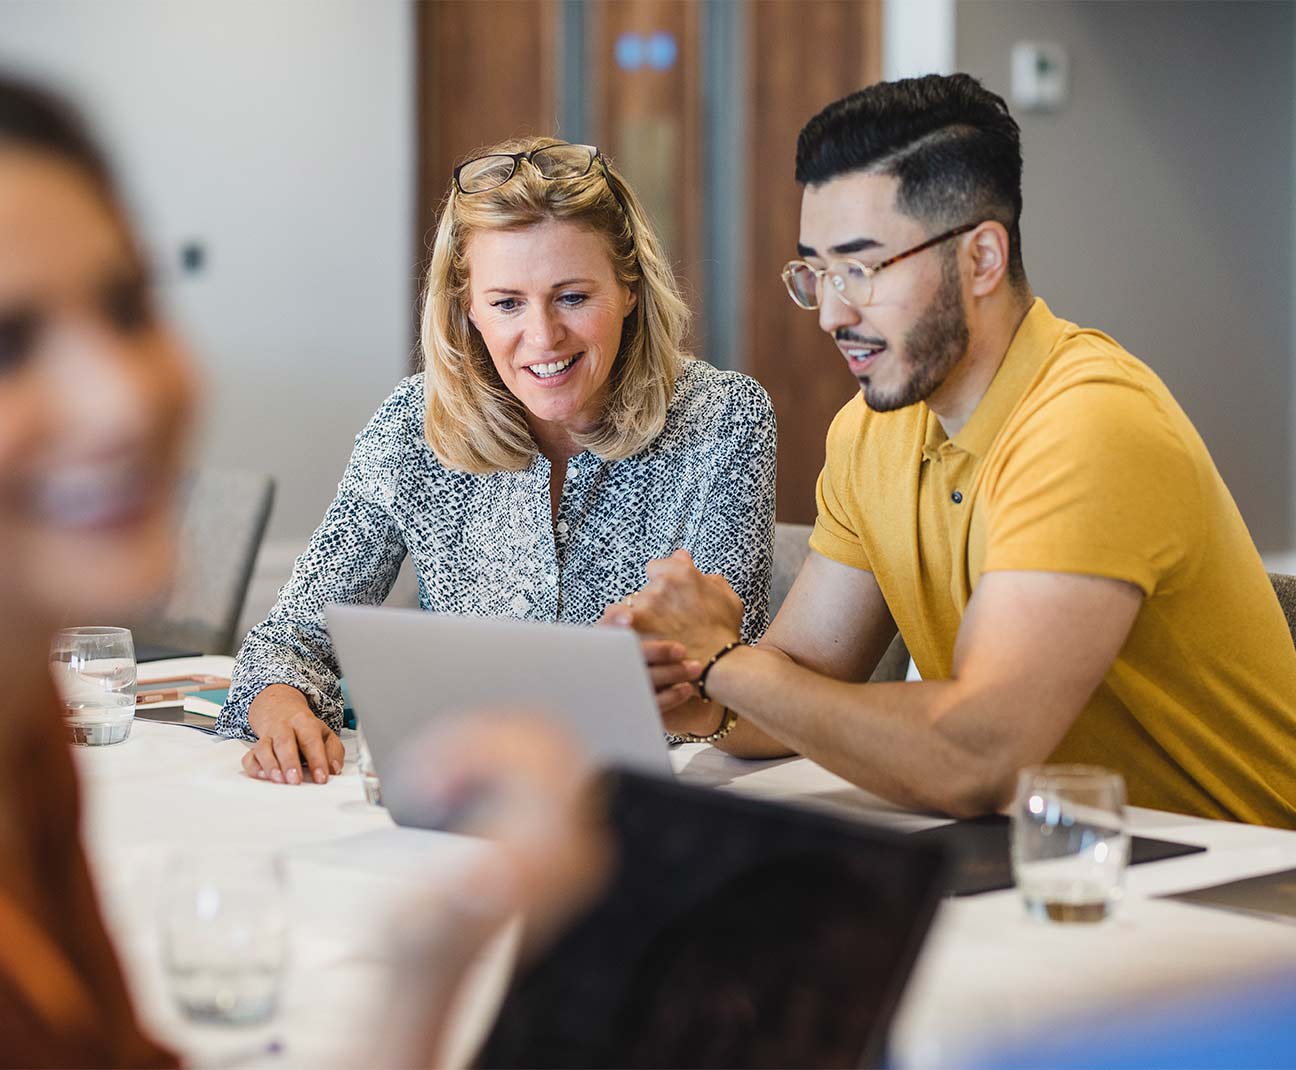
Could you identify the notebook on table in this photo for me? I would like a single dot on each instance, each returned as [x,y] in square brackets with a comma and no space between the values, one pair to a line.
[981,852]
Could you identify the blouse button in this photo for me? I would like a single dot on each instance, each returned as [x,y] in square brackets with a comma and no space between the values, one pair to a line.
[561,527]
[957,497]
[573,470]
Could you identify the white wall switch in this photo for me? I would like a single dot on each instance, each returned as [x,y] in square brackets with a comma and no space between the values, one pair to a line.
[1039,75]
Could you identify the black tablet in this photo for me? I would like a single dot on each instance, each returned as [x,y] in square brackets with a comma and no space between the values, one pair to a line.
[735,933]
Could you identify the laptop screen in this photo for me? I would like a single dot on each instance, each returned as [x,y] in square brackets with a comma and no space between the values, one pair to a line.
[733,933]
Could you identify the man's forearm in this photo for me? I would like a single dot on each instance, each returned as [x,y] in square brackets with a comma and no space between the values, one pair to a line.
[898,740]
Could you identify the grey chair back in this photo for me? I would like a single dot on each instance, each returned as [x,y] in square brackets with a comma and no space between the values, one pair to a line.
[791,547]
[1285,588]
[223,517]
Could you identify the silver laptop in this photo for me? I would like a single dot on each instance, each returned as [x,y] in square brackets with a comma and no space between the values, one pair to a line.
[405,669]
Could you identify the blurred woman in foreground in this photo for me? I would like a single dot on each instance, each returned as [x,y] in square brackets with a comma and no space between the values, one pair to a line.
[94,394]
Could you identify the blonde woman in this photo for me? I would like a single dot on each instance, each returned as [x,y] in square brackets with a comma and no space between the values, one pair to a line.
[558,439]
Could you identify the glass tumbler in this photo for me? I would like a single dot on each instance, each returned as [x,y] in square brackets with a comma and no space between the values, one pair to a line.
[94,672]
[1070,844]
[225,934]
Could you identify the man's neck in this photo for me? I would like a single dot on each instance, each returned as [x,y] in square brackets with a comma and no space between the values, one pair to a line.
[991,329]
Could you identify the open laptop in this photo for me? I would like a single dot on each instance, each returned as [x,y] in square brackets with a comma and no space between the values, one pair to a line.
[734,932]
[406,668]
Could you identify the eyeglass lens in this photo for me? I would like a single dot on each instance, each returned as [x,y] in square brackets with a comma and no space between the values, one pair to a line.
[563,161]
[850,282]
[486,173]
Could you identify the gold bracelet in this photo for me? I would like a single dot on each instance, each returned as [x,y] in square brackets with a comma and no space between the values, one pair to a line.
[727,722]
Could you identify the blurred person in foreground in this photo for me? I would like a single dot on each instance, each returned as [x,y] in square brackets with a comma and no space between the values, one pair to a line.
[94,395]
[1020,496]
[558,439]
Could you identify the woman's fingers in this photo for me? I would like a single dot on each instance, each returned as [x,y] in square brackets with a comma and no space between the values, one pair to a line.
[310,739]
[662,652]
[675,696]
[283,747]
[679,672]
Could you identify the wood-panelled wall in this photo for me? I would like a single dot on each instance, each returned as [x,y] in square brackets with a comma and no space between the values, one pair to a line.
[803,54]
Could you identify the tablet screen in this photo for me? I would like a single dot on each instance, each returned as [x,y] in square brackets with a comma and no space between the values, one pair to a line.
[733,933]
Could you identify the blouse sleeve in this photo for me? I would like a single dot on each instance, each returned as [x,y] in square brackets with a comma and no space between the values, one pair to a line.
[353,558]
[736,538]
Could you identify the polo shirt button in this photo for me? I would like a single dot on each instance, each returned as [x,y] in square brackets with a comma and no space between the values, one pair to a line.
[957,497]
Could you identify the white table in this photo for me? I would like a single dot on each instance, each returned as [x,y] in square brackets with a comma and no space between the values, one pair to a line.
[987,976]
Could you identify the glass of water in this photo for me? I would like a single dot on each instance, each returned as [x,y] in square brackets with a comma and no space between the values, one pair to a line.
[368,771]
[1070,844]
[225,933]
[94,672]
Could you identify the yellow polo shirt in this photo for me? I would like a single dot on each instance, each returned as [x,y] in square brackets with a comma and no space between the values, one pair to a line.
[1079,460]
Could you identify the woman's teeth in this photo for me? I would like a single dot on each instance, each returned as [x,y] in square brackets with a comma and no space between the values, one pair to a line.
[557,367]
[90,495]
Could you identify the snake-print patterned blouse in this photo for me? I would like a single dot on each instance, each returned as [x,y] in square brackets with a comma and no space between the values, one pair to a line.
[487,545]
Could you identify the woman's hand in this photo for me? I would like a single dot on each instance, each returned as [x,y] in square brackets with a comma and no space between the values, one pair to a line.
[288,736]
[672,674]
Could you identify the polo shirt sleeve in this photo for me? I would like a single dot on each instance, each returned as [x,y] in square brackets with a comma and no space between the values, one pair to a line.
[836,529]
[1097,481]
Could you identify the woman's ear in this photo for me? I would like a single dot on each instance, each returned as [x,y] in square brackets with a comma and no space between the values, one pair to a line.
[633,302]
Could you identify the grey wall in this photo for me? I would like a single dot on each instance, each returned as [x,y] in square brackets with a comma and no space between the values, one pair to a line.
[1158,207]
[280,135]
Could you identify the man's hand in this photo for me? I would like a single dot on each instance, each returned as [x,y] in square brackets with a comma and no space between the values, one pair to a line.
[288,732]
[682,604]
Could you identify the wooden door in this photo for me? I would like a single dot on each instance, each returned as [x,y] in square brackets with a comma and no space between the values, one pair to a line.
[803,54]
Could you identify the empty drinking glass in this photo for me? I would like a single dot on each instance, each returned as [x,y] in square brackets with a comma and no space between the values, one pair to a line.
[368,771]
[1069,841]
[225,934]
[94,672]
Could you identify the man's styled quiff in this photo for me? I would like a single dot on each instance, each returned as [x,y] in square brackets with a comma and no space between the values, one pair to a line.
[951,144]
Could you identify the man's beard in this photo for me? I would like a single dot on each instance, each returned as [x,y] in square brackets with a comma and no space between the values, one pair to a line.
[934,344]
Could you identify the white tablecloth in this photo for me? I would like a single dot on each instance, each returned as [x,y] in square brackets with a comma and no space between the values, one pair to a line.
[987,976]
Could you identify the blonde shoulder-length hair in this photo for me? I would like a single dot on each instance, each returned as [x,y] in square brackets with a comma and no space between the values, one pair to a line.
[474,423]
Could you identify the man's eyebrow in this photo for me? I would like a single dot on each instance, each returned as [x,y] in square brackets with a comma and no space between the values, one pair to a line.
[857,245]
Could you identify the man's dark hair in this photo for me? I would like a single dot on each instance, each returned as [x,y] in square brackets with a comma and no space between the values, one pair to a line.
[950,142]
[35,120]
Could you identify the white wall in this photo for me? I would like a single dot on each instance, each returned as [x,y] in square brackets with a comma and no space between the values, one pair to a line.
[280,134]
[917,38]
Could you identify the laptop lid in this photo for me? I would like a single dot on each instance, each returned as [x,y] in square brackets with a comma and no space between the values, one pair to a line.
[406,669]
[734,932]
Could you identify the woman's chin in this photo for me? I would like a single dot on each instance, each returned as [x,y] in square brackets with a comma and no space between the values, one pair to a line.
[101,578]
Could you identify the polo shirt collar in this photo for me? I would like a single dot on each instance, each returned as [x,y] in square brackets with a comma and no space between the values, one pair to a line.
[1031,345]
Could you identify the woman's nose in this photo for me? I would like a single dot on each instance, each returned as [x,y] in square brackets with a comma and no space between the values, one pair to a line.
[104,386]
[545,330]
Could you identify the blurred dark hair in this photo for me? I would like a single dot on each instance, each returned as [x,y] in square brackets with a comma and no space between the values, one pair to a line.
[950,142]
[36,120]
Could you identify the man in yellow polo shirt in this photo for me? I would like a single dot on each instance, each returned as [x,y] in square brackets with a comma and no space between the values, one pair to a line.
[1020,496]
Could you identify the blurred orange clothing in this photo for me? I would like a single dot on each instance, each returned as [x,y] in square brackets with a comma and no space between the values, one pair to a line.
[63,1000]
